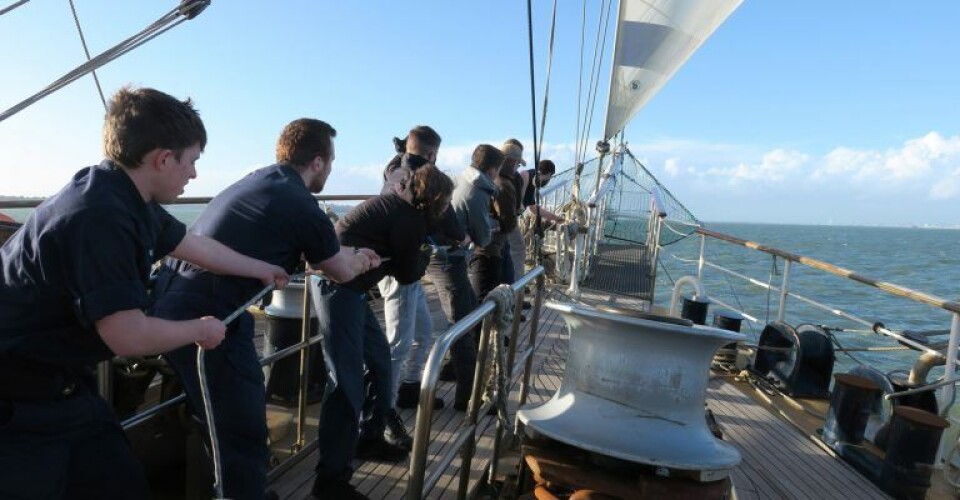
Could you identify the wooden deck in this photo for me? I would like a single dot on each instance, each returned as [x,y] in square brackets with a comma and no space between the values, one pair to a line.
[382,480]
[778,460]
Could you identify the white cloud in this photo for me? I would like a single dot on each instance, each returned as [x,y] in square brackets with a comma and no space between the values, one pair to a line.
[947,187]
[927,166]
[923,161]
[774,166]
[672,167]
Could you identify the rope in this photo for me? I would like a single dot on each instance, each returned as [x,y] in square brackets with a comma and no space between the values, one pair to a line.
[205,394]
[496,391]
[12,6]
[83,41]
[188,9]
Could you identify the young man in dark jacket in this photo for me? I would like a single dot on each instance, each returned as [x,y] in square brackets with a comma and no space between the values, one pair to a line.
[73,290]
[271,214]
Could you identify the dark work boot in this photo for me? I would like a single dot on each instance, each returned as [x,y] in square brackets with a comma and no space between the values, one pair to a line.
[408,396]
[379,450]
[447,372]
[396,433]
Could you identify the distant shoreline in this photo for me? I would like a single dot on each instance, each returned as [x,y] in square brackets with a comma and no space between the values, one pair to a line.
[20,214]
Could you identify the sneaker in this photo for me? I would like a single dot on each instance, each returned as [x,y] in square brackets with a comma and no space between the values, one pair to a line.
[395,433]
[379,450]
[334,489]
[447,372]
[408,397]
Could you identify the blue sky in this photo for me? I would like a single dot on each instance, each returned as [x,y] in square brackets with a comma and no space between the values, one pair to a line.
[799,112]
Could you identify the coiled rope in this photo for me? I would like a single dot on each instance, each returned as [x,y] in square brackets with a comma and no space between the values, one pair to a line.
[503,297]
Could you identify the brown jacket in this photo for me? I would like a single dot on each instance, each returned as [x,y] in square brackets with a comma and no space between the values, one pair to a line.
[504,211]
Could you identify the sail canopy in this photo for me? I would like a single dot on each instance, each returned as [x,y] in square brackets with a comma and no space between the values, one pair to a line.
[655,38]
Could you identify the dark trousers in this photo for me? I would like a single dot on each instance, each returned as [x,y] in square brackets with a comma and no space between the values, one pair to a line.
[353,344]
[506,265]
[67,448]
[235,380]
[485,273]
[457,299]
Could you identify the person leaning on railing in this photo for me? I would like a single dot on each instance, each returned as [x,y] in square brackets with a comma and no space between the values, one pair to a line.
[73,287]
[395,226]
[270,214]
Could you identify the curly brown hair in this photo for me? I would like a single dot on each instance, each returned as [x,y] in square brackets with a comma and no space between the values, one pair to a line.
[431,191]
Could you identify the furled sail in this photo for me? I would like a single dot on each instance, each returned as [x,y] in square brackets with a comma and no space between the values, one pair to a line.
[655,38]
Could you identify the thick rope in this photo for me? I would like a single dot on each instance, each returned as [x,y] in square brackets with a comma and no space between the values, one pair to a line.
[208,403]
[496,390]
[12,6]
[188,9]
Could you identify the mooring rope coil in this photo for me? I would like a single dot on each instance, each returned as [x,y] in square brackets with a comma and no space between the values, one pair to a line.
[496,390]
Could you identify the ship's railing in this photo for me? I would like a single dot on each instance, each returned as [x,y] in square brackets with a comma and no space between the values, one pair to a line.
[465,442]
[785,294]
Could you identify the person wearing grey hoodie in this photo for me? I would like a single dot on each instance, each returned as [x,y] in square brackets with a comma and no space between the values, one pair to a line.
[472,195]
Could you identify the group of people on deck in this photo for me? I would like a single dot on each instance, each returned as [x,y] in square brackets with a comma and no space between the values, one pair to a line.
[79,284]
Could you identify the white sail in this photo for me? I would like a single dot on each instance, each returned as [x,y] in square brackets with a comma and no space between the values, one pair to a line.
[654,38]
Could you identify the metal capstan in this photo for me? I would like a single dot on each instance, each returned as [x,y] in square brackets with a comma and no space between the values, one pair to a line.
[634,389]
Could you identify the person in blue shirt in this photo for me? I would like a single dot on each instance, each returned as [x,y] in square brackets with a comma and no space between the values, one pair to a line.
[270,214]
[73,288]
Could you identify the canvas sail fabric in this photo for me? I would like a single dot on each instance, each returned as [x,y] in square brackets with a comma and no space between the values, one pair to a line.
[654,38]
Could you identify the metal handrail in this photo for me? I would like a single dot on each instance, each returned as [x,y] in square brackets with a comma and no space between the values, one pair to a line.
[891,288]
[416,483]
[819,305]
[953,307]
[186,200]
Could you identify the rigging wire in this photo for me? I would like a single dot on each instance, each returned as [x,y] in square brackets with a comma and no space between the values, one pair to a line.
[12,6]
[583,32]
[538,145]
[538,244]
[83,41]
[581,147]
[592,99]
[188,9]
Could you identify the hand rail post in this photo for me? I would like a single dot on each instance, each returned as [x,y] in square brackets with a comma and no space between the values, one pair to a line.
[701,261]
[304,366]
[473,407]
[950,370]
[784,291]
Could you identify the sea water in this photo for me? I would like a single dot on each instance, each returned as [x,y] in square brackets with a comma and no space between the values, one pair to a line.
[925,260]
